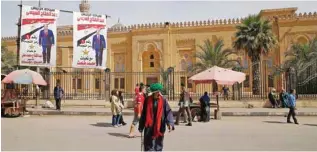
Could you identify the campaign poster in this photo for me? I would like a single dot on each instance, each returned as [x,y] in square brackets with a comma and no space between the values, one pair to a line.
[38,36]
[89,41]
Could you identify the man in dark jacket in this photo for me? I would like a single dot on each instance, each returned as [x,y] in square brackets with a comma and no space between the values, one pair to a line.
[156,115]
[58,95]
[205,107]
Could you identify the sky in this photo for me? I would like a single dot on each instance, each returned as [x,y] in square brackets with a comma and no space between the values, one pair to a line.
[140,12]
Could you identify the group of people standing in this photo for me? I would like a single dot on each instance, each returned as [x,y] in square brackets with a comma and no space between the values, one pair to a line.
[284,100]
[117,105]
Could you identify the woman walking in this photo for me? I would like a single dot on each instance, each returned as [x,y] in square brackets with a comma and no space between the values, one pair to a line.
[115,108]
[122,103]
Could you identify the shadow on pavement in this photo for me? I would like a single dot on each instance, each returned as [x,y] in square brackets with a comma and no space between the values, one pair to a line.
[102,124]
[311,125]
[119,135]
[278,122]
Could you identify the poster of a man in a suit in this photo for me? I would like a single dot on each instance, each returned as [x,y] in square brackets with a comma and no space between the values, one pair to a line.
[46,40]
[98,44]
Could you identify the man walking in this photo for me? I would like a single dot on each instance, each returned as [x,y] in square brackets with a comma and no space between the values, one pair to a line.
[58,95]
[138,107]
[184,107]
[156,115]
[292,105]
[98,44]
[46,40]
[226,91]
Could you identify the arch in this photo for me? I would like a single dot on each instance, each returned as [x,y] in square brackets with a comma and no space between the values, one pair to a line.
[150,46]
[302,39]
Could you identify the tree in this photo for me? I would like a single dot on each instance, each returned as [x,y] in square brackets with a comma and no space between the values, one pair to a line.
[302,60]
[301,56]
[8,59]
[255,37]
[213,55]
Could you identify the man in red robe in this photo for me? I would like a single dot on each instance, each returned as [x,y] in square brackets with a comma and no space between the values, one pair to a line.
[156,115]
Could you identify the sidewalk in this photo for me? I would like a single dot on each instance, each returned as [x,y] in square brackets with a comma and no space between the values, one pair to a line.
[129,111]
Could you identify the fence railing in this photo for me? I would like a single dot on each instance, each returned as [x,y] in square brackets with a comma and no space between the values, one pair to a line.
[97,85]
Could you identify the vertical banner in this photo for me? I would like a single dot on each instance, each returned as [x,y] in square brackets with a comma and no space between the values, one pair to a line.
[38,36]
[89,41]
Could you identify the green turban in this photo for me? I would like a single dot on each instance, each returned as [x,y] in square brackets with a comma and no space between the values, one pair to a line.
[156,87]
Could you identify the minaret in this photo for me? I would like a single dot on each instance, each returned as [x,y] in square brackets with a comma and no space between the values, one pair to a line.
[84,6]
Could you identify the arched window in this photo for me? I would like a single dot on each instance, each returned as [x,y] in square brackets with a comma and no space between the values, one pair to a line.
[151,56]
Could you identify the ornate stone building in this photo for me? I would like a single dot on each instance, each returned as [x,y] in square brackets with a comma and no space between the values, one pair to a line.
[148,48]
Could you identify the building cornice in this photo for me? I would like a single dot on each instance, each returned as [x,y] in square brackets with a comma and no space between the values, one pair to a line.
[185,27]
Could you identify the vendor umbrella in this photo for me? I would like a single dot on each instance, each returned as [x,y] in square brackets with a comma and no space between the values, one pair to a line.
[24,76]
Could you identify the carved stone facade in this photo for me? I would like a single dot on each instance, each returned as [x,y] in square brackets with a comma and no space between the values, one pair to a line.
[152,47]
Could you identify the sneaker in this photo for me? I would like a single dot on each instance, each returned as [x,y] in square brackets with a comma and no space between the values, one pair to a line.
[124,123]
[115,126]
[296,123]
[289,122]
[119,125]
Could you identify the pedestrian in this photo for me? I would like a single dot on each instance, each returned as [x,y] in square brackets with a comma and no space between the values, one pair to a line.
[148,90]
[156,115]
[121,121]
[205,107]
[115,108]
[292,106]
[138,106]
[58,95]
[136,89]
[272,98]
[284,98]
[184,107]
[226,91]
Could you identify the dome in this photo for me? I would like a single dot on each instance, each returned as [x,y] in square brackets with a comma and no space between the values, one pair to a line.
[117,25]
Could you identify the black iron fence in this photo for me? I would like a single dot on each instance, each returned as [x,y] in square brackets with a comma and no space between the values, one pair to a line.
[95,84]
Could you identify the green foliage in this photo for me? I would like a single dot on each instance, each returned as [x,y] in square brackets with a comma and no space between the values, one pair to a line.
[301,56]
[8,59]
[213,55]
[254,36]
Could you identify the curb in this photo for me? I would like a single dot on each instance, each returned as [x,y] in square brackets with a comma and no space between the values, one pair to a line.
[75,113]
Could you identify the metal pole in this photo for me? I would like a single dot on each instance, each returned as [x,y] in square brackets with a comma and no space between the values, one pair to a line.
[18,37]
[37,69]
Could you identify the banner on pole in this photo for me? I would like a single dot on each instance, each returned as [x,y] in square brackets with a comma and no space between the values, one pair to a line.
[38,36]
[89,41]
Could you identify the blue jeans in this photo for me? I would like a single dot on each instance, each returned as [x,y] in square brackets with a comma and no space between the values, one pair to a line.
[115,119]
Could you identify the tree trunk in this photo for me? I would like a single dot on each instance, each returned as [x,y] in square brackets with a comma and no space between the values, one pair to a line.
[256,84]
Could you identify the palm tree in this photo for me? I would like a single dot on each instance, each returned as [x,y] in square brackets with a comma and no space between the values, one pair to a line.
[303,59]
[213,55]
[255,37]
[301,56]
[8,59]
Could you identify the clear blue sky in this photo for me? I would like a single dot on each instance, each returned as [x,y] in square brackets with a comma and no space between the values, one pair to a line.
[136,12]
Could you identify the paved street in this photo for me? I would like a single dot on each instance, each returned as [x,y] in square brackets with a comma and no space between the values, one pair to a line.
[95,133]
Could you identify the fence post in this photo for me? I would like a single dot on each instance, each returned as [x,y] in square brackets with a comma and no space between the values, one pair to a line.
[107,83]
